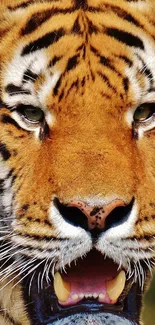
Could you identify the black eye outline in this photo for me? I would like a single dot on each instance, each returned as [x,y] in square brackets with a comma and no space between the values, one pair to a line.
[151,111]
[23,110]
[41,122]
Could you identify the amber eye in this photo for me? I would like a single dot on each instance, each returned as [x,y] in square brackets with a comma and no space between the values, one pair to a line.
[31,113]
[144,112]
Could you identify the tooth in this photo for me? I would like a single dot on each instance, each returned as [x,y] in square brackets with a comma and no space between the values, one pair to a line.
[61,287]
[95,295]
[116,286]
[81,295]
[101,296]
[75,297]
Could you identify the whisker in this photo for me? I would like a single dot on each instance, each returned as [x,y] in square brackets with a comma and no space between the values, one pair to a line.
[30,283]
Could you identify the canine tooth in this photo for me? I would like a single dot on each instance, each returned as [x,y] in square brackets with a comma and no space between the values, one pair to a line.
[61,287]
[116,286]
[75,296]
[95,295]
[101,296]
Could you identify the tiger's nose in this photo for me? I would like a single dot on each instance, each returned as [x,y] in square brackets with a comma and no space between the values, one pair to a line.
[90,217]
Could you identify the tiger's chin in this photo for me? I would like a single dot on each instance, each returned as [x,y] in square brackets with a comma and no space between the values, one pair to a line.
[91,291]
[93,319]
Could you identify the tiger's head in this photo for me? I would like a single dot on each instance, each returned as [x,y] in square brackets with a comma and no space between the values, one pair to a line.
[77,162]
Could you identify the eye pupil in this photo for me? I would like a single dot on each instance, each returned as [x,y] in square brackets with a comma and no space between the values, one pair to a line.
[33,114]
[143,112]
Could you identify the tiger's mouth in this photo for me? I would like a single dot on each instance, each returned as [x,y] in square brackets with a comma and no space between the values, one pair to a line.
[93,277]
[94,284]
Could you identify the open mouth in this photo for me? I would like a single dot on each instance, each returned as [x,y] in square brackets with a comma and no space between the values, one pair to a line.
[92,277]
[93,285]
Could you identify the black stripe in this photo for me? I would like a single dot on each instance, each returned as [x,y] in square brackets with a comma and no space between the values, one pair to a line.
[72,63]
[105,61]
[95,9]
[21,5]
[134,0]
[61,96]
[6,119]
[126,84]
[92,29]
[106,79]
[27,4]
[122,14]
[2,105]
[8,318]
[16,90]
[39,237]
[4,152]
[148,74]
[132,20]
[125,59]
[76,29]
[80,4]
[151,90]
[44,41]
[3,32]
[75,84]
[29,76]
[10,173]
[125,37]
[146,71]
[105,95]
[54,60]
[36,21]
[83,81]
[56,88]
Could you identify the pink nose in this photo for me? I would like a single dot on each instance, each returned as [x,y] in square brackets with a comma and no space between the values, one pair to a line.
[97,215]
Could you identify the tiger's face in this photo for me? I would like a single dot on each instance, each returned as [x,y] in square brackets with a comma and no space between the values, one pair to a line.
[77,173]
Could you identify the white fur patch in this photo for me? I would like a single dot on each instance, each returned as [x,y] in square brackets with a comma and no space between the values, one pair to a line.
[62,227]
[14,72]
[110,243]
[140,5]
[47,87]
[3,169]
[7,194]
[126,228]
[14,75]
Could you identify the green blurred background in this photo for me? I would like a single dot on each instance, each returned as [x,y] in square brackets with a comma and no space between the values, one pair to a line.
[149,309]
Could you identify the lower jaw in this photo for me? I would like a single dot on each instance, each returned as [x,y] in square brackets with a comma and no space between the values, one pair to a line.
[44,309]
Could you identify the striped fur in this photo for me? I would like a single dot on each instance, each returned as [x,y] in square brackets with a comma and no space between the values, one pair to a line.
[88,64]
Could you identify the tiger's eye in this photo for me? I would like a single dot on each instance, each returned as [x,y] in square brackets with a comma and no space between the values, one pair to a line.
[33,114]
[143,112]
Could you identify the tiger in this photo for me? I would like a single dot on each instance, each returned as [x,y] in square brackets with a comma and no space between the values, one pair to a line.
[77,162]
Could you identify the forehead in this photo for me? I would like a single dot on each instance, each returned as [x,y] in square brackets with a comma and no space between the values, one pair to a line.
[96,49]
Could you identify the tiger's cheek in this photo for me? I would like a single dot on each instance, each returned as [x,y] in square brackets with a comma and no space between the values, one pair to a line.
[22,156]
[146,189]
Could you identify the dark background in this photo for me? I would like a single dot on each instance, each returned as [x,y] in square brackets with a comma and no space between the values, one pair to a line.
[149,307]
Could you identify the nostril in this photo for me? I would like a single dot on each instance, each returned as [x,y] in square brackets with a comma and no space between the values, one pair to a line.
[118,216]
[95,219]
[72,215]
